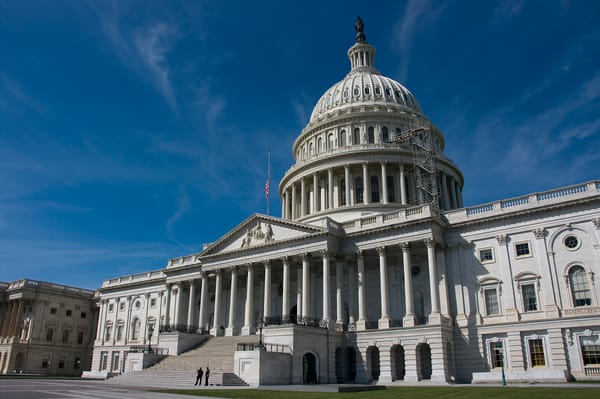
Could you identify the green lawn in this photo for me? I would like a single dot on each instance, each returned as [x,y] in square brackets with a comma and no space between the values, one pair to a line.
[408,393]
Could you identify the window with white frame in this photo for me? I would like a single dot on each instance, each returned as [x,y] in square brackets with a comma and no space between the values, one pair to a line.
[590,350]
[103,360]
[115,360]
[496,354]
[108,332]
[580,286]
[492,305]
[522,250]
[486,255]
[536,352]
[528,294]
[135,328]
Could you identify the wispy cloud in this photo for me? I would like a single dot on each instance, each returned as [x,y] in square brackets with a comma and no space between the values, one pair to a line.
[509,8]
[183,205]
[12,93]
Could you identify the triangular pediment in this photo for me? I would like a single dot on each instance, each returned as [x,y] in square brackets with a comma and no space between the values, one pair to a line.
[261,230]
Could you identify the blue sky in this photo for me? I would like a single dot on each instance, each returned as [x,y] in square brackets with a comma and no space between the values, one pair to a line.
[133,132]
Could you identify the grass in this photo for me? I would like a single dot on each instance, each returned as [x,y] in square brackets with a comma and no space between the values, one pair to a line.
[404,393]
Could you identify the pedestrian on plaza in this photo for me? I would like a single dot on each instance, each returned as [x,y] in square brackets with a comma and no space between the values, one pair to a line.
[206,376]
[199,374]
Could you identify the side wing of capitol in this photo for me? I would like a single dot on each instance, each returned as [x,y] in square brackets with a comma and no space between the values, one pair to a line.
[375,271]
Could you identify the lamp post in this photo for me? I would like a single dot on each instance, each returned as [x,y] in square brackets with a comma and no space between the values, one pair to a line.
[502,364]
[260,325]
[150,331]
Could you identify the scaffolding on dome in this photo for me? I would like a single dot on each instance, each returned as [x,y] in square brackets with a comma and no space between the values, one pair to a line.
[419,137]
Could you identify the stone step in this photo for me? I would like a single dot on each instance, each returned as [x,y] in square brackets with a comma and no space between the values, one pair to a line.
[174,379]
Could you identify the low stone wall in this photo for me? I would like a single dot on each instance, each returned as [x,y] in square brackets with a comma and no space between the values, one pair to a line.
[532,375]
[263,368]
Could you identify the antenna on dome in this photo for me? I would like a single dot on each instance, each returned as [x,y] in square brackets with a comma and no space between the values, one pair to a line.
[268,183]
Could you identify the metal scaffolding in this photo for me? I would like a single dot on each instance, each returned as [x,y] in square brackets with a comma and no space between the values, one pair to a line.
[419,137]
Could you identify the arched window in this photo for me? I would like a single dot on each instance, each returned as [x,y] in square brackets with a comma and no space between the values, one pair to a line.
[342,192]
[319,145]
[135,328]
[390,188]
[580,286]
[358,189]
[356,136]
[311,149]
[371,133]
[330,141]
[374,189]
[342,138]
[385,135]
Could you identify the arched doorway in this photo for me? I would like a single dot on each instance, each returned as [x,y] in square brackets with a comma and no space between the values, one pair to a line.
[309,368]
[341,365]
[424,362]
[398,364]
[351,356]
[19,360]
[373,363]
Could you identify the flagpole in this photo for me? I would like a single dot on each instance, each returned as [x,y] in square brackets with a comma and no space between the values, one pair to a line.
[268,189]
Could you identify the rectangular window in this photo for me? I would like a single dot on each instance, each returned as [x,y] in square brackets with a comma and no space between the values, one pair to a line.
[491,301]
[152,302]
[111,307]
[486,255]
[497,354]
[529,298]
[77,363]
[536,352]
[108,333]
[49,334]
[65,336]
[115,360]
[119,332]
[53,310]
[522,249]
[83,315]
[590,350]
[122,306]
[80,335]
[69,313]
[61,362]
[103,360]
[45,362]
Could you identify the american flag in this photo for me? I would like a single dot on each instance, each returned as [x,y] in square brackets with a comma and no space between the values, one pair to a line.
[267,189]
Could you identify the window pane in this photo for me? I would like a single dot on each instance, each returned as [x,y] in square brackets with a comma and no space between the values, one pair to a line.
[497,354]
[529,299]
[374,189]
[491,302]
[522,249]
[536,350]
[580,289]
[358,190]
[590,350]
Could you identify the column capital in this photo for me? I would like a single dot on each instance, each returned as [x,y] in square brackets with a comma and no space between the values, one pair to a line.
[235,268]
[267,263]
[405,246]
[285,259]
[467,244]
[325,253]
[359,253]
[503,239]
[596,222]
[248,266]
[203,274]
[430,243]
[540,233]
[304,255]
[381,251]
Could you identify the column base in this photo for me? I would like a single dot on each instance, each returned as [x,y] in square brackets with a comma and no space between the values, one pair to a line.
[411,378]
[383,323]
[361,325]
[248,330]
[217,332]
[231,331]
[435,318]
[408,320]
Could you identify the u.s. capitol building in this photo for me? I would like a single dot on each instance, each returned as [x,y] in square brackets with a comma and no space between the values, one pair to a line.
[375,270]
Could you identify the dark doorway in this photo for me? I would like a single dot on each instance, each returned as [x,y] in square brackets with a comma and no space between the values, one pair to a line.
[294,315]
[424,361]
[373,363]
[309,368]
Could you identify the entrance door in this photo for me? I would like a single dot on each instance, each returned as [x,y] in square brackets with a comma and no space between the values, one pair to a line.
[309,368]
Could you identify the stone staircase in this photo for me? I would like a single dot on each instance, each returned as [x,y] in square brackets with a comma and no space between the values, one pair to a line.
[180,371]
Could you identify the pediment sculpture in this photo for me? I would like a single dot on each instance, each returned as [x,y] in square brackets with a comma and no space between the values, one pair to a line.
[258,235]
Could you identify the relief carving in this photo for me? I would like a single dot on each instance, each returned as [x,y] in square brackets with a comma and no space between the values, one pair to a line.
[258,235]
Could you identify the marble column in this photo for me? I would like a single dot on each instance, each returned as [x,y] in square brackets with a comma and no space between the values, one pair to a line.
[249,327]
[445,199]
[285,205]
[191,302]
[402,183]
[384,187]
[299,295]
[168,305]
[339,287]
[409,317]
[541,254]
[285,299]
[203,303]
[435,316]
[267,291]
[231,329]
[305,286]
[315,199]
[384,320]
[330,188]
[507,298]
[348,184]
[361,323]
[366,191]
[302,197]
[178,293]
[454,201]
[352,290]
[216,330]
[294,203]
[326,300]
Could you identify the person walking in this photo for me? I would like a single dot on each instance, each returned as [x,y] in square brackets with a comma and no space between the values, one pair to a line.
[206,376]
[199,374]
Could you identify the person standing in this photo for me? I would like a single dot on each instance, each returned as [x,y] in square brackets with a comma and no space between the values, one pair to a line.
[199,374]
[206,376]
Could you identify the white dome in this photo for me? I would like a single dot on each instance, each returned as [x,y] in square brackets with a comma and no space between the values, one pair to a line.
[364,85]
